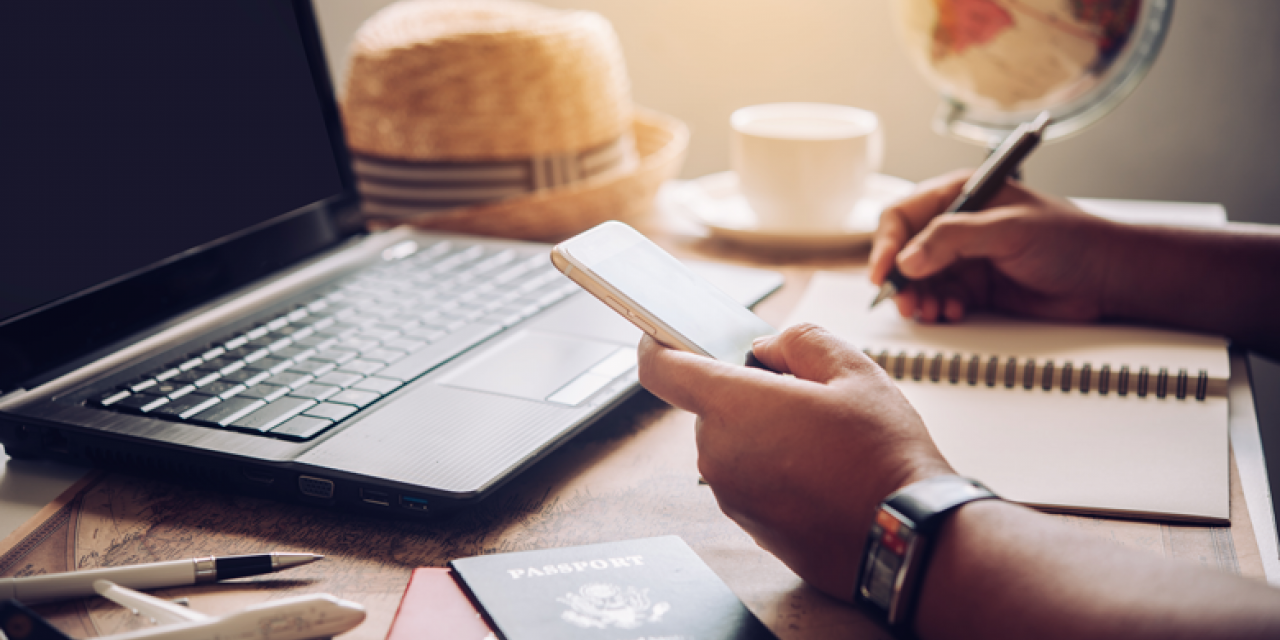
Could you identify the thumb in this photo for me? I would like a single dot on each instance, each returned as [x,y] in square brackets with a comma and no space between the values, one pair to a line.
[809,352]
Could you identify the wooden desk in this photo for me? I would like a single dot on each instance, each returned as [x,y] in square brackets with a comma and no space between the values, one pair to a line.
[631,475]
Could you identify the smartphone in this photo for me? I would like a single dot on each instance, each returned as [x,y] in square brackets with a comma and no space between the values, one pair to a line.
[658,294]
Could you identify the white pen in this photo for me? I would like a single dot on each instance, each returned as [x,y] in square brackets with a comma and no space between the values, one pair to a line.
[155,575]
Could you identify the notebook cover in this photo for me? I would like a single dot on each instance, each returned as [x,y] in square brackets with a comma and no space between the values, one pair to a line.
[646,588]
[434,607]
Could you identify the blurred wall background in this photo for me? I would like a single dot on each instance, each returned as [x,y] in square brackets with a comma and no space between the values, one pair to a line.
[1203,126]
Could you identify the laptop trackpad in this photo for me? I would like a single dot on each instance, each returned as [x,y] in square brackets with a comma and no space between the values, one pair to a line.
[535,365]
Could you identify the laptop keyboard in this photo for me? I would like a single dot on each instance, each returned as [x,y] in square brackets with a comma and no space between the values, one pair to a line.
[320,362]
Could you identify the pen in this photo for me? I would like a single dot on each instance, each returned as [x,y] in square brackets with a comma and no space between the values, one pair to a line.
[155,575]
[982,186]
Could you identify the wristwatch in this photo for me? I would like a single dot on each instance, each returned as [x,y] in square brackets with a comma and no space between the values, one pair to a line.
[900,542]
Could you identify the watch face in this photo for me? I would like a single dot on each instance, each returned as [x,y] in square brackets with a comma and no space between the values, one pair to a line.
[890,545]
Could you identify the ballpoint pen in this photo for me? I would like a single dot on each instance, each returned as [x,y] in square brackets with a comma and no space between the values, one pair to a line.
[982,186]
[155,575]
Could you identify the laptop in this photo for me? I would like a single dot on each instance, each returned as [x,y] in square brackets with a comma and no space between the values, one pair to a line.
[188,289]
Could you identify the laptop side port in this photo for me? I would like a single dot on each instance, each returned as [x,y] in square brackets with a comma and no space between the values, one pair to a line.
[375,497]
[315,487]
[414,503]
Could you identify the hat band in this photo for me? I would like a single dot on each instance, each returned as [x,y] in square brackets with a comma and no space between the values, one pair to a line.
[405,187]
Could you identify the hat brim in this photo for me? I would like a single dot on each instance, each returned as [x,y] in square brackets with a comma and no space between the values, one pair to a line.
[555,214]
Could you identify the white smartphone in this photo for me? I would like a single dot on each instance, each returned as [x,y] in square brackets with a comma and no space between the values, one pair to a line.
[658,294]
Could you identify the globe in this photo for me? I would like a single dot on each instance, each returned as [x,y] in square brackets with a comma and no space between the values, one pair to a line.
[998,63]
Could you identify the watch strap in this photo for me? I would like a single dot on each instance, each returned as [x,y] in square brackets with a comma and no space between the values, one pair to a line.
[900,542]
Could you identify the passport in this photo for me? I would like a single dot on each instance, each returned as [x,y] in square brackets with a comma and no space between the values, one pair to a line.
[645,589]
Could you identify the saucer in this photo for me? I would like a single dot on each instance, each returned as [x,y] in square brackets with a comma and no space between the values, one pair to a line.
[715,202]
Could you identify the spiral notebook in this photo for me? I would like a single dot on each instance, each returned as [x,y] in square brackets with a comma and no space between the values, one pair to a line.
[1096,419]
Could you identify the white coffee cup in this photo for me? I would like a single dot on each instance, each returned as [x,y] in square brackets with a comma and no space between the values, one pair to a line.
[803,166]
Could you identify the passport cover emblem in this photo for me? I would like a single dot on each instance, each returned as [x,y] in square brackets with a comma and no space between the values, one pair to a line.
[602,605]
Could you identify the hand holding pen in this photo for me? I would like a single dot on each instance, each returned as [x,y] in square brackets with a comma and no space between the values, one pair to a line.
[982,186]
[1026,253]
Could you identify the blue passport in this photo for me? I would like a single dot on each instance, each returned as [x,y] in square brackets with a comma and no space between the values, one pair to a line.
[634,589]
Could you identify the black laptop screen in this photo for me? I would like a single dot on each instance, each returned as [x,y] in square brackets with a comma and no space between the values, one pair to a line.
[135,133]
[146,129]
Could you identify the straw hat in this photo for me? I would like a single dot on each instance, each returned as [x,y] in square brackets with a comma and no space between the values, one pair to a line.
[500,117]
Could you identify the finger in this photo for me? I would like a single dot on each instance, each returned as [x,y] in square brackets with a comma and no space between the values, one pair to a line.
[953,309]
[809,352]
[928,309]
[949,239]
[907,302]
[903,220]
[691,381]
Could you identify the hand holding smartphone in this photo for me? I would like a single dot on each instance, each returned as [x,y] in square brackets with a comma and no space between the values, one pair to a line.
[659,294]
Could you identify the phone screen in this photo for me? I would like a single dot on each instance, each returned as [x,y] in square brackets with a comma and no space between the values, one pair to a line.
[687,304]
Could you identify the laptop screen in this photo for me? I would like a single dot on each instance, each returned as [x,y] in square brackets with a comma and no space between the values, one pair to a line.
[144,134]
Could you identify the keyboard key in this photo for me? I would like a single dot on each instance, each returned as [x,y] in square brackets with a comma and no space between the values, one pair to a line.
[219,388]
[256,355]
[111,397]
[360,343]
[363,367]
[187,405]
[340,378]
[404,344]
[380,385]
[316,368]
[139,387]
[217,364]
[339,356]
[273,414]
[269,363]
[267,392]
[169,388]
[315,391]
[330,411]
[191,364]
[424,360]
[301,428]
[291,379]
[228,411]
[141,403]
[167,374]
[243,376]
[189,377]
[355,397]
[379,333]
[317,342]
[383,355]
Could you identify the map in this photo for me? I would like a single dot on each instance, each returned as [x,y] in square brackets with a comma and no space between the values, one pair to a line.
[1016,55]
[631,475]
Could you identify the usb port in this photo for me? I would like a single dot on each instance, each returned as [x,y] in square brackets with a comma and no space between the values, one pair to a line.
[414,503]
[372,496]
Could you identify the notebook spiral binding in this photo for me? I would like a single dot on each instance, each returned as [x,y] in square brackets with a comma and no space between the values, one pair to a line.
[1048,375]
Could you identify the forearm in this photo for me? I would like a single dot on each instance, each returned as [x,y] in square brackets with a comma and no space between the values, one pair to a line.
[1003,571]
[1217,281]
